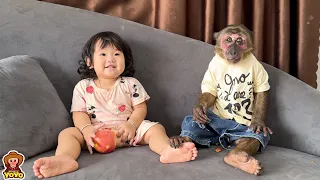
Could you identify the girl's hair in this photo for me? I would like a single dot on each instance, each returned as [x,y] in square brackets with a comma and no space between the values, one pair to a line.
[107,38]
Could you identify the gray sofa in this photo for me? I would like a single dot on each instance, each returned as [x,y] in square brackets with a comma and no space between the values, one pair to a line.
[169,66]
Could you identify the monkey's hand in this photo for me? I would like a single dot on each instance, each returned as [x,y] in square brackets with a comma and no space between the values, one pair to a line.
[260,114]
[199,113]
[176,141]
[206,100]
[257,126]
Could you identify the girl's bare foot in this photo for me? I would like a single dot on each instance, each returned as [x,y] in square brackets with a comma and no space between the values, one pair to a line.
[186,152]
[54,165]
[243,161]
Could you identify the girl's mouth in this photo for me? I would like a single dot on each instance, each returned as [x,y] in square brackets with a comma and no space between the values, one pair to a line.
[110,66]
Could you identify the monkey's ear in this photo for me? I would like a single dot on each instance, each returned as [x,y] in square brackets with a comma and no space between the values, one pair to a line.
[248,31]
[216,35]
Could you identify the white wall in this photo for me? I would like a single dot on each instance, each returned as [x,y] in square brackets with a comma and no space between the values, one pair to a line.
[318,71]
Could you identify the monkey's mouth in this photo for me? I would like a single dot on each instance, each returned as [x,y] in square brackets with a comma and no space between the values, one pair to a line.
[233,57]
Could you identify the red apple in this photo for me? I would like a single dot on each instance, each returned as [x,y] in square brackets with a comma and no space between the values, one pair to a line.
[105,141]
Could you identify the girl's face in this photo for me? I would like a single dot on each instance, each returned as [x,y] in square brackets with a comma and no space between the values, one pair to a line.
[108,62]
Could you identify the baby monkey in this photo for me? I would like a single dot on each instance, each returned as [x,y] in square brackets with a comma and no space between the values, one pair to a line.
[232,109]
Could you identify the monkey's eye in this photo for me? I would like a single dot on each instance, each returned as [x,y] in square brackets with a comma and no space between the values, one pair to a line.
[229,39]
[239,40]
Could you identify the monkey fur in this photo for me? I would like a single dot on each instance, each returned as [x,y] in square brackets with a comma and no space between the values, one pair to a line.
[234,44]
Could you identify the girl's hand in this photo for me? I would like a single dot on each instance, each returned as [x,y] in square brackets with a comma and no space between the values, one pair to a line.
[89,133]
[126,132]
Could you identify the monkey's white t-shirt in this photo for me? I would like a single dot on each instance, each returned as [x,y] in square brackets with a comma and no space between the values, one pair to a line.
[234,85]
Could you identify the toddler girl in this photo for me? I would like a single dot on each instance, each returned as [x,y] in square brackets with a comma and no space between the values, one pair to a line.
[109,97]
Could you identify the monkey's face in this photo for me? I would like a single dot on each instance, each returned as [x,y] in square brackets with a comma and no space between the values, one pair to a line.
[233,46]
[13,162]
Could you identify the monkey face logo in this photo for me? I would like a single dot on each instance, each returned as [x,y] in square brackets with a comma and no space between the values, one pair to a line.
[12,162]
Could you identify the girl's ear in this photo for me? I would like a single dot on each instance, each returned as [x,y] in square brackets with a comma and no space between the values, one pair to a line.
[89,64]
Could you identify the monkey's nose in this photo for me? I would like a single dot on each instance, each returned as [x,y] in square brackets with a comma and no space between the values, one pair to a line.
[232,53]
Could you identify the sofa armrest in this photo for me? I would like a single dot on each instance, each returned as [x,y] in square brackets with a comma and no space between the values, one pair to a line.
[294,112]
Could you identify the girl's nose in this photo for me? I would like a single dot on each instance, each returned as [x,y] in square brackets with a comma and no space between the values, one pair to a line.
[110,59]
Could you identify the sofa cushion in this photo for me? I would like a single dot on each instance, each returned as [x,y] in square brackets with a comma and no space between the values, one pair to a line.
[169,66]
[31,112]
[141,163]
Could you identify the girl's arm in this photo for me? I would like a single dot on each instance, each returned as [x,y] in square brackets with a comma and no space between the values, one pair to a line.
[81,120]
[138,115]
[127,130]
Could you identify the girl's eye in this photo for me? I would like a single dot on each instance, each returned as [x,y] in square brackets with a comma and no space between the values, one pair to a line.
[102,54]
[117,54]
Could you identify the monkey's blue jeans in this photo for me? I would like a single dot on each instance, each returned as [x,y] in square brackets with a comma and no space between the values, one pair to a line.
[221,131]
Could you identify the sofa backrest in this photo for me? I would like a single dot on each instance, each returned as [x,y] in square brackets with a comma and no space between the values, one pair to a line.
[169,66]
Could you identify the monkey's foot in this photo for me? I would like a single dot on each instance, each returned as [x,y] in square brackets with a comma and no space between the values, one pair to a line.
[187,139]
[244,162]
[186,152]
[54,165]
